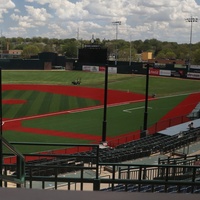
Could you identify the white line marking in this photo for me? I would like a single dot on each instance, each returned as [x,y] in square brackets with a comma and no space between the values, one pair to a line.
[137,108]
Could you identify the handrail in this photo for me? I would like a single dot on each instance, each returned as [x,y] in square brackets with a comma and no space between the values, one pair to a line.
[20,178]
[10,147]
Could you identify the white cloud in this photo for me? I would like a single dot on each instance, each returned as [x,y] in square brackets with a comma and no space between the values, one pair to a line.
[5,5]
[141,19]
[17,10]
[39,14]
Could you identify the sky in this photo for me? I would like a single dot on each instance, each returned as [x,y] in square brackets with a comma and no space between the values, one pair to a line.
[164,20]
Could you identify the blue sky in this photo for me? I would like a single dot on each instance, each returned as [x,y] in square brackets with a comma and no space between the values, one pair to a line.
[140,19]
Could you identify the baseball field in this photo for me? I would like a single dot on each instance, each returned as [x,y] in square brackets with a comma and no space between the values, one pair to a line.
[45,107]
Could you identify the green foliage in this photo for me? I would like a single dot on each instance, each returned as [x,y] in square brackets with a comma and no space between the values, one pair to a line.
[69,47]
[196,56]
[30,50]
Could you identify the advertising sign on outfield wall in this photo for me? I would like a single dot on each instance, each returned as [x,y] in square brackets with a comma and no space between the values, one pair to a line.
[159,65]
[165,72]
[101,68]
[94,68]
[195,67]
[180,66]
[155,72]
[86,68]
[112,70]
[193,75]
[90,68]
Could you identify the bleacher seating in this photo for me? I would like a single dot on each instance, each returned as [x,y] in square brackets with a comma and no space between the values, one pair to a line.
[158,143]
[143,147]
[44,167]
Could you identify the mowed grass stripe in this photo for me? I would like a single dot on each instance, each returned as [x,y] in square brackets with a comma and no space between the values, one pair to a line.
[82,102]
[55,103]
[9,112]
[13,94]
[40,103]
[73,103]
[13,110]
[44,106]
[34,108]
[24,108]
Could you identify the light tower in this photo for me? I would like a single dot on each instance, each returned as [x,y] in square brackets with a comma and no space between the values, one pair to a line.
[116,23]
[190,20]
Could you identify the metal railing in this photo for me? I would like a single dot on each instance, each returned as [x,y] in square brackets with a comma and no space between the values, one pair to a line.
[53,170]
[19,179]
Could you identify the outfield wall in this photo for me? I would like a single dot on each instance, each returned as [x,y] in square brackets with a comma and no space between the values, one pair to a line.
[167,70]
[159,69]
[21,64]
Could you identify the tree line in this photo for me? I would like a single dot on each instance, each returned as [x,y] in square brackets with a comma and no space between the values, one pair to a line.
[124,50]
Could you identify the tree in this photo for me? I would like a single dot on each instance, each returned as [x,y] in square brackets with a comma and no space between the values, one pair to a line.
[70,49]
[48,48]
[196,57]
[30,50]
[161,55]
[170,55]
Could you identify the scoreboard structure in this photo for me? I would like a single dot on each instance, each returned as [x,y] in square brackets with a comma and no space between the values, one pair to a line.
[92,54]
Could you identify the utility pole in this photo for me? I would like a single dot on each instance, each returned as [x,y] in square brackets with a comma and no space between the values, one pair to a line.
[116,23]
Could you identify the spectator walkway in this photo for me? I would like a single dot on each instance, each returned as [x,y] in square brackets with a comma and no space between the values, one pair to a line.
[174,130]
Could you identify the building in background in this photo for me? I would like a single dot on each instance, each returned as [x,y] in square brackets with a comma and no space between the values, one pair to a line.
[145,56]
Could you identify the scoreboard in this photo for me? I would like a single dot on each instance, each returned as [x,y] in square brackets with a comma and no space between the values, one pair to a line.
[93,55]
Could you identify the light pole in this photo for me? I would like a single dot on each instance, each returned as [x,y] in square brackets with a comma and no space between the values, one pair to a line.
[104,129]
[130,52]
[116,23]
[1,45]
[144,133]
[1,142]
[190,20]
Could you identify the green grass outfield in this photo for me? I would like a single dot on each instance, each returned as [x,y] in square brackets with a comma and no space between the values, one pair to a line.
[134,83]
[120,119]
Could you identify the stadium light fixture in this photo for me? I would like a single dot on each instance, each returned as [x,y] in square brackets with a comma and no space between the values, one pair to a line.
[191,20]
